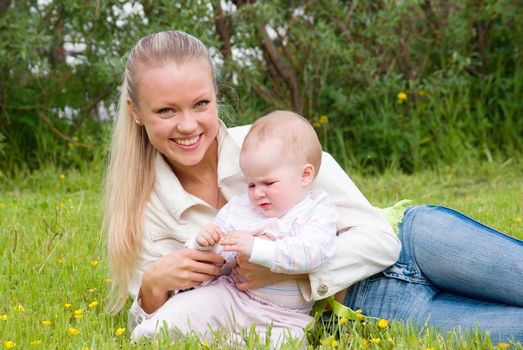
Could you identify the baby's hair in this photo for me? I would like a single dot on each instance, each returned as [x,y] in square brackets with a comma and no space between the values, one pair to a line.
[295,132]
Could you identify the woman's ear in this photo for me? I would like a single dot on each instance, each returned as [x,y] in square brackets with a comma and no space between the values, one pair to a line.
[134,112]
[307,174]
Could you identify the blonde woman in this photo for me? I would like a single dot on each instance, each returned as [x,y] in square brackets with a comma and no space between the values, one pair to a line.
[174,165]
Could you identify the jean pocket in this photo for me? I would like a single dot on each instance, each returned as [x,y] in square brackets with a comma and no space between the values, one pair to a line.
[406,272]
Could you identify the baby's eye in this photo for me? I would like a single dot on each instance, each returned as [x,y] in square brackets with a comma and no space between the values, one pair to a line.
[251,185]
[268,183]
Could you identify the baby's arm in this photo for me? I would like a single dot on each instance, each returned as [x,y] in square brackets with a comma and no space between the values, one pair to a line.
[209,235]
[305,250]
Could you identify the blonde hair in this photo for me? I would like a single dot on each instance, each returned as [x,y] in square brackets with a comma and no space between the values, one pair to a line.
[130,176]
[293,130]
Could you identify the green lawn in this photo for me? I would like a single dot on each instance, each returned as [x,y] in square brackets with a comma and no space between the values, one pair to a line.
[53,274]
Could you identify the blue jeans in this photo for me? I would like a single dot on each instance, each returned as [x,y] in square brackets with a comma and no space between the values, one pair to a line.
[453,273]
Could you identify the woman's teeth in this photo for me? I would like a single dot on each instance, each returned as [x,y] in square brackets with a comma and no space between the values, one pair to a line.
[187,142]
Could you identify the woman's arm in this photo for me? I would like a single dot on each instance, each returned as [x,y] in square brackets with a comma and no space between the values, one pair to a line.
[366,243]
[255,276]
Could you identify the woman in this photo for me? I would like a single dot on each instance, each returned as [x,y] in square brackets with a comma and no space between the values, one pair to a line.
[174,164]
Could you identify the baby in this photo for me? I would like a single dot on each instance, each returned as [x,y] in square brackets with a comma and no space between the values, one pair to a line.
[280,158]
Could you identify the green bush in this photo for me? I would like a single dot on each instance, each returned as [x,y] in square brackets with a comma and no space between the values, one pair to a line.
[342,64]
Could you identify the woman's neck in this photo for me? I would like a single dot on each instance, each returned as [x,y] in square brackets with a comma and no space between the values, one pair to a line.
[201,180]
[203,173]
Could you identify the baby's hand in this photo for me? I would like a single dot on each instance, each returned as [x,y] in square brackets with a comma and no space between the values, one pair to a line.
[209,235]
[238,241]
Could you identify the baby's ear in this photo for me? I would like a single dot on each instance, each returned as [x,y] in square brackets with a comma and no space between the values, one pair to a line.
[307,174]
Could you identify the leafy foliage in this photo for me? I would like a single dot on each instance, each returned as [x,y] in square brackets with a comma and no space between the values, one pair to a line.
[459,65]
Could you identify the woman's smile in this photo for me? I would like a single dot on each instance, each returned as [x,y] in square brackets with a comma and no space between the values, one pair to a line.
[187,143]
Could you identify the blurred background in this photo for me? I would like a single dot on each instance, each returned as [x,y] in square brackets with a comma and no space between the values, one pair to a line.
[402,84]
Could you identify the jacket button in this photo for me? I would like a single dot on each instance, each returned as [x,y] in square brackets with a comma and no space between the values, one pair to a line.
[322,289]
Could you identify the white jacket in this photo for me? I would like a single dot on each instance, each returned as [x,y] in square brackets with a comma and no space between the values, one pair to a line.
[365,245]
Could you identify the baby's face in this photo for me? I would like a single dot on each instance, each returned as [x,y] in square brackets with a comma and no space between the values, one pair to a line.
[274,179]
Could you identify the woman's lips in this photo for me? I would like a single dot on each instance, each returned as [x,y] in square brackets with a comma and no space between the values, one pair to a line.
[188,143]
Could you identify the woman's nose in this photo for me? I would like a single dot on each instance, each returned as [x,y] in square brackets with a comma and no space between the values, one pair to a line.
[186,123]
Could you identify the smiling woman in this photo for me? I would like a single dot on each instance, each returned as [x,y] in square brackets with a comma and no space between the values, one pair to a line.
[178,110]
[174,164]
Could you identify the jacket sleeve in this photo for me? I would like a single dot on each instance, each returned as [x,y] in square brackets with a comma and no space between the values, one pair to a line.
[366,243]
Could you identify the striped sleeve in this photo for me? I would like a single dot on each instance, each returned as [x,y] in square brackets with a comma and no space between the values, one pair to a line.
[311,242]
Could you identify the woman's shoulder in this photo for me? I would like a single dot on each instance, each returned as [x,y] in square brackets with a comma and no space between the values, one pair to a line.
[238,133]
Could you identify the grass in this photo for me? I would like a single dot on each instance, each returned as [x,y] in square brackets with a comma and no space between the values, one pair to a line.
[52,259]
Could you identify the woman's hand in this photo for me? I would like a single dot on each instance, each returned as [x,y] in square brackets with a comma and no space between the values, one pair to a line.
[256,276]
[181,269]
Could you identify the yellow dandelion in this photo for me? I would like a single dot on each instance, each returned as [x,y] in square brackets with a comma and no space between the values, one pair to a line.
[2,205]
[73,331]
[70,145]
[78,314]
[518,219]
[334,343]
[62,177]
[503,345]
[19,308]
[402,97]
[343,320]
[67,305]
[429,348]
[93,304]
[9,344]
[60,261]
[375,340]
[359,311]
[119,332]
[324,119]
[94,263]
[4,317]
[383,324]
[108,280]
[422,92]
[316,125]
[36,342]
[62,204]
[360,316]
[85,348]
[46,323]
[365,342]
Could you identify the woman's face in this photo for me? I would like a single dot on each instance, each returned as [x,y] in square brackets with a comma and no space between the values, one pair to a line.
[177,107]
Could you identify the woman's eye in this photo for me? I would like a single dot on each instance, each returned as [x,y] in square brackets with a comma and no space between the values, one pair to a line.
[201,104]
[164,110]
